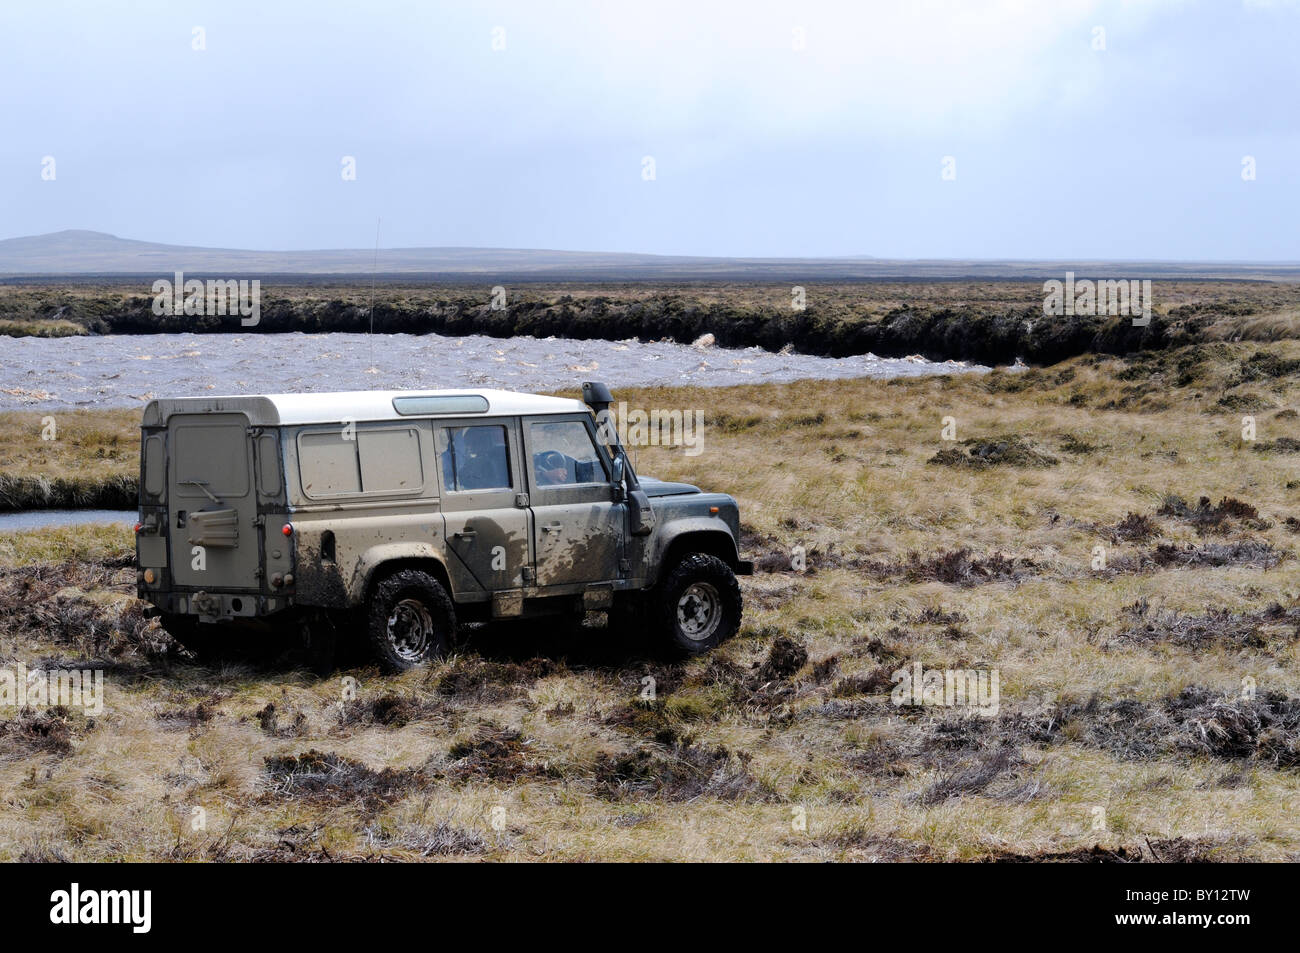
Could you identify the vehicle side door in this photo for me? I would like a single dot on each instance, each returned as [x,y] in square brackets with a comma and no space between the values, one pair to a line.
[484,504]
[577,524]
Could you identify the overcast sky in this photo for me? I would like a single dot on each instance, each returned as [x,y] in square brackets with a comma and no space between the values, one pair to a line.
[776,128]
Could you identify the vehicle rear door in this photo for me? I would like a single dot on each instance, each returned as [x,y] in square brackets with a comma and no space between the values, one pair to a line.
[214,536]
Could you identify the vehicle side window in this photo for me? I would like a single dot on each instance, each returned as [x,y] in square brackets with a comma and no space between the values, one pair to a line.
[155,463]
[269,477]
[474,458]
[329,464]
[564,454]
[380,461]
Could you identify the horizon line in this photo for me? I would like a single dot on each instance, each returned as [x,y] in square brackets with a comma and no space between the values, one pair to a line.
[844,257]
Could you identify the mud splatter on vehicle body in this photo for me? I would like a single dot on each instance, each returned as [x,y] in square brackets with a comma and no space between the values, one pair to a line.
[401,513]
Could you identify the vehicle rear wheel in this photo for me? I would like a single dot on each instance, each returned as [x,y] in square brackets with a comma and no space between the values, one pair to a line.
[411,620]
[698,605]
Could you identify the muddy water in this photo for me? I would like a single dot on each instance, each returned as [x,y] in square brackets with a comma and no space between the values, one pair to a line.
[124,370]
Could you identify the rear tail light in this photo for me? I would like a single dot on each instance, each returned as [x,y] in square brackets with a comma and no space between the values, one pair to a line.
[287,529]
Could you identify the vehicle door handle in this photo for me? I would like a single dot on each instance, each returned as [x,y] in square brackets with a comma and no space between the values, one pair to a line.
[552,528]
[467,533]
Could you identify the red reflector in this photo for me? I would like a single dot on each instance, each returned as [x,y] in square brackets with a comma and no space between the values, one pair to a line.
[288,529]
[138,527]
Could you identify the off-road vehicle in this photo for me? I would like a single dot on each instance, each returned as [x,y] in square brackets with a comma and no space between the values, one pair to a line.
[399,513]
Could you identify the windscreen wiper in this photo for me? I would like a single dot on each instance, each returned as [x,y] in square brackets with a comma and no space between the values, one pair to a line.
[202,486]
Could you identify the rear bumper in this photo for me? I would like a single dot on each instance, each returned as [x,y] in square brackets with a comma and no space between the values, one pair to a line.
[215,606]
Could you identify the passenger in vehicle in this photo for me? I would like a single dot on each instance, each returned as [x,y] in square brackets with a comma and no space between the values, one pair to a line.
[476,459]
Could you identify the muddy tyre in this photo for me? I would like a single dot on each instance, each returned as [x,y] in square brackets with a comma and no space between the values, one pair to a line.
[410,620]
[697,606]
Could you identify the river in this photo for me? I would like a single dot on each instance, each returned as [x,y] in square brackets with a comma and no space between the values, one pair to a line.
[45,519]
[126,370]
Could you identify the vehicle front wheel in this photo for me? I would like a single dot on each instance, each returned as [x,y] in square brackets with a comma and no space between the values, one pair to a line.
[698,605]
[411,620]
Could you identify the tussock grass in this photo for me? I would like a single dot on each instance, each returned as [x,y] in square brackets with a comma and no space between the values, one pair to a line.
[84,545]
[75,459]
[56,328]
[113,492]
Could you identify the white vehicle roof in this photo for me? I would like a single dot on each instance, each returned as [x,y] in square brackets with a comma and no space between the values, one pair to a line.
[269,410]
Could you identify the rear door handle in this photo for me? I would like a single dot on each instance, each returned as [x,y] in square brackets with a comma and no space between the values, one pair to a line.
[552,528]
[467,533]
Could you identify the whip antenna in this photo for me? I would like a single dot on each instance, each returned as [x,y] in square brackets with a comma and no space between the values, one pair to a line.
[373,268]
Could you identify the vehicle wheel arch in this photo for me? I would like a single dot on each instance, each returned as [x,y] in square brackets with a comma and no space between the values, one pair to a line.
[712,541]
[384,568]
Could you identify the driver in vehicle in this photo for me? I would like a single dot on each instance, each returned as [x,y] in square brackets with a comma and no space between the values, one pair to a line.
[564,455]
[551,468]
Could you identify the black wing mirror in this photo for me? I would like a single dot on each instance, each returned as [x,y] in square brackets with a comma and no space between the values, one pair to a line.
[620,474]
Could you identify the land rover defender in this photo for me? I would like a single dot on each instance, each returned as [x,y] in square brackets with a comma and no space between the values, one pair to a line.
[397,514]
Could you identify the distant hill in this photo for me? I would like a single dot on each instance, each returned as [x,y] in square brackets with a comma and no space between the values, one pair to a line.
[79,252]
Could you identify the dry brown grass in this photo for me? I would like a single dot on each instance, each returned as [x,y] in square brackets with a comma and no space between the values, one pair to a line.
[69,458]
[44,328]
[1121,688]
[86,443]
